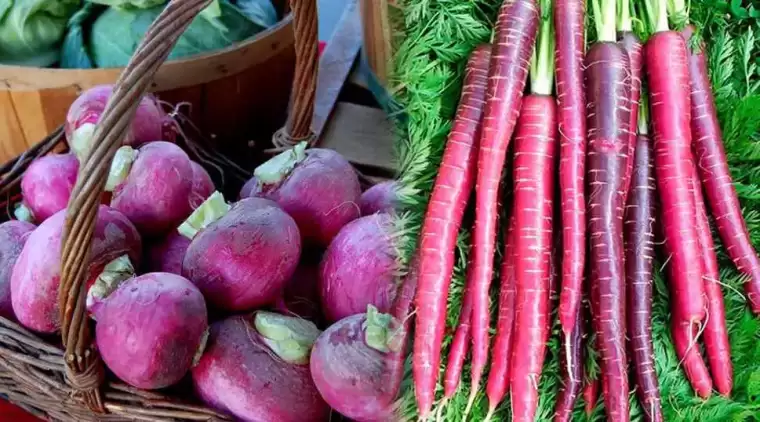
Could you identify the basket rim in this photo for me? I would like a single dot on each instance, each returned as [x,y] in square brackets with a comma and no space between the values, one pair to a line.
[194,70]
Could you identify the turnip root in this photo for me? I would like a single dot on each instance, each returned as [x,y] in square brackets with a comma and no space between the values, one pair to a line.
[317,187]
[203,186]
[47,185]
[13,236]
[151,329]
[116,246]
[241,256]
[152,186]
[84,113]
[355,367]
[379,198]
[358,269]
[166,255]
[256,368]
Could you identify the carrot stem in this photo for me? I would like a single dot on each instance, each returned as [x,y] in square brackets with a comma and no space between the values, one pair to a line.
[643,114]
[624,23]
[661,25]
[542,61]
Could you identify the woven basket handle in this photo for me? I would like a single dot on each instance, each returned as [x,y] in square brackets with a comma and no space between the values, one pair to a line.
[84,368]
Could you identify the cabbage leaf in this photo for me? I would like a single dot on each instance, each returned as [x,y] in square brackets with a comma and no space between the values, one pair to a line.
[31,31]
[117,32]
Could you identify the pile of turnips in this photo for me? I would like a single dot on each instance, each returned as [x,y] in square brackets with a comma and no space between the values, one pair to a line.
[179,281]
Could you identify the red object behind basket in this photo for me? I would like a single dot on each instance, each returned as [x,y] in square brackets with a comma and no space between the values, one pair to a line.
[9,412]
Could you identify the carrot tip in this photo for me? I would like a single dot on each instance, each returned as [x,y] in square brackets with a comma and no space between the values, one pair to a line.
[489,415]
[439,410]
[470,401]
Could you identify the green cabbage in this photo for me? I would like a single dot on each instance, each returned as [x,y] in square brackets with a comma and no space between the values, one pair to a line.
[116,32]
[31,31]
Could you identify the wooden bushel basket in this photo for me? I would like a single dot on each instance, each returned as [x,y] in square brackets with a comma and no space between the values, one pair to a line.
[70,383]
[237,94]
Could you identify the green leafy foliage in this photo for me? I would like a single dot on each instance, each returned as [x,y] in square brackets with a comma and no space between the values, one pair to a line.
[108,36]
[438,36]
[31,31]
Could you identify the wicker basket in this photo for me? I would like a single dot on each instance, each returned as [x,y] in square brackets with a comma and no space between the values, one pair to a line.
[64,379]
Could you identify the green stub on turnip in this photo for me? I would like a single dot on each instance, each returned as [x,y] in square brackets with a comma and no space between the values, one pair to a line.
[120,167]
[114,273]
[23,213]
[291,338]
[81,139]
[279,166]
[201,347]
[380,331]
[211,210]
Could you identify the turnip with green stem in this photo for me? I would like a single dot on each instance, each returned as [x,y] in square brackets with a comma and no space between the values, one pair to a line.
[241,256]
[153,186]
[256,367]
[115,252]
[318,187]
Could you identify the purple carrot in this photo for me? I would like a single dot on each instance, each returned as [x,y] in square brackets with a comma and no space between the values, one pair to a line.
[514,42]
[608,93]
[715,175]
[639,255]
[569,18]
[572,376]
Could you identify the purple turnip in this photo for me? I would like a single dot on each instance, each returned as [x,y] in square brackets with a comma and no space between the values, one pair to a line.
[317,187]
[359,268]
[13,236]
[241,256]
[257,369]
[46,186]
[151,329]
[382,197]
[166,255]
[116,246]
[357,366]
[149,123]
[203,186]
[152,186]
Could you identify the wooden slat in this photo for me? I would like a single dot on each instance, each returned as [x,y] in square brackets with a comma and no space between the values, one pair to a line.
[12,139]
[40,112]
[362,134]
